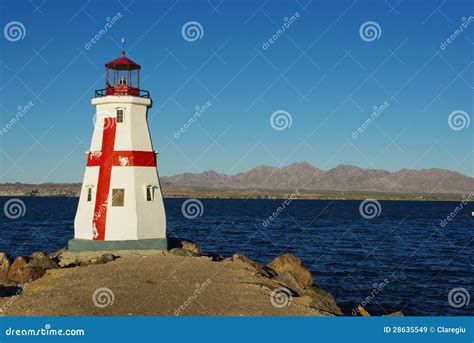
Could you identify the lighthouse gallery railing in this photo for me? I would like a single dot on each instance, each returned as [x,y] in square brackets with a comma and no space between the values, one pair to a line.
[141,93]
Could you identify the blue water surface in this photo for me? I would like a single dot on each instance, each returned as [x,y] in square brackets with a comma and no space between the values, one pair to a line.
[419,260]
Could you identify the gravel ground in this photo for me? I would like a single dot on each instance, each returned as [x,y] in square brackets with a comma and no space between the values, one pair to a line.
[158,284]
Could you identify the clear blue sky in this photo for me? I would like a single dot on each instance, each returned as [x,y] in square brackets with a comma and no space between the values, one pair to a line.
[319,70]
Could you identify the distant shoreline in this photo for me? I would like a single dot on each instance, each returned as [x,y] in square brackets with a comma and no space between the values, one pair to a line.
[253,194]
[298,180]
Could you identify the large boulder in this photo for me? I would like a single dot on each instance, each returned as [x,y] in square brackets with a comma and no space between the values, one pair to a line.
[19,262]
[26,274]
[292,264]
[22,273]
[324,301]
[303,300]
[4,265]
[191,247]
[252,265]
[39,259]
[287,280]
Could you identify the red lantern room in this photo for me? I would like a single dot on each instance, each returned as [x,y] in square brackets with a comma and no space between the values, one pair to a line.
[122,77]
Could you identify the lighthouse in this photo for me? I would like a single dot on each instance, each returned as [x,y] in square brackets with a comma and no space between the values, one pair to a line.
[121,204]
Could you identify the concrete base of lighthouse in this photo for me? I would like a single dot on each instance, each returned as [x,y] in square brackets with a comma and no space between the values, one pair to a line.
[140,244]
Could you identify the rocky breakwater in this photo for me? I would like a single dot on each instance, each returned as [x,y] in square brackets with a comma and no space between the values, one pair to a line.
[18,274]
[287,281]
[181,281]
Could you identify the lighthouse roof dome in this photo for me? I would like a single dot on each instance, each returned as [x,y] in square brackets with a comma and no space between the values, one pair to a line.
[122,63]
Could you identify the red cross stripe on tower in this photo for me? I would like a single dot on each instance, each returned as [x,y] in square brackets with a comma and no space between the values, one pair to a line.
[105,159]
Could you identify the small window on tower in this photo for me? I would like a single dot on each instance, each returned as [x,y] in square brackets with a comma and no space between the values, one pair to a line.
[89,194]
[118,196]
[149,193]
[119,116]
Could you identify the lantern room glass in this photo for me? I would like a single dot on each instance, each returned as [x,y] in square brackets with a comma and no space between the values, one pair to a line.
[115,77]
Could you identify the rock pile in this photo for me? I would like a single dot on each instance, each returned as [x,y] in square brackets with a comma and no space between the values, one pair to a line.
[23,270]
[4,265]
[288,273]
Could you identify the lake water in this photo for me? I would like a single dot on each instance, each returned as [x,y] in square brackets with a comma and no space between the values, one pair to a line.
[419,260]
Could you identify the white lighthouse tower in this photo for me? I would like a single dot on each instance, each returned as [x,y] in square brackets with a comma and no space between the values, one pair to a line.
[121,204]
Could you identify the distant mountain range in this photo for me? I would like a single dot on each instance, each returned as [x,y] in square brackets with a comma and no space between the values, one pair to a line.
[339,182]
[304,176]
